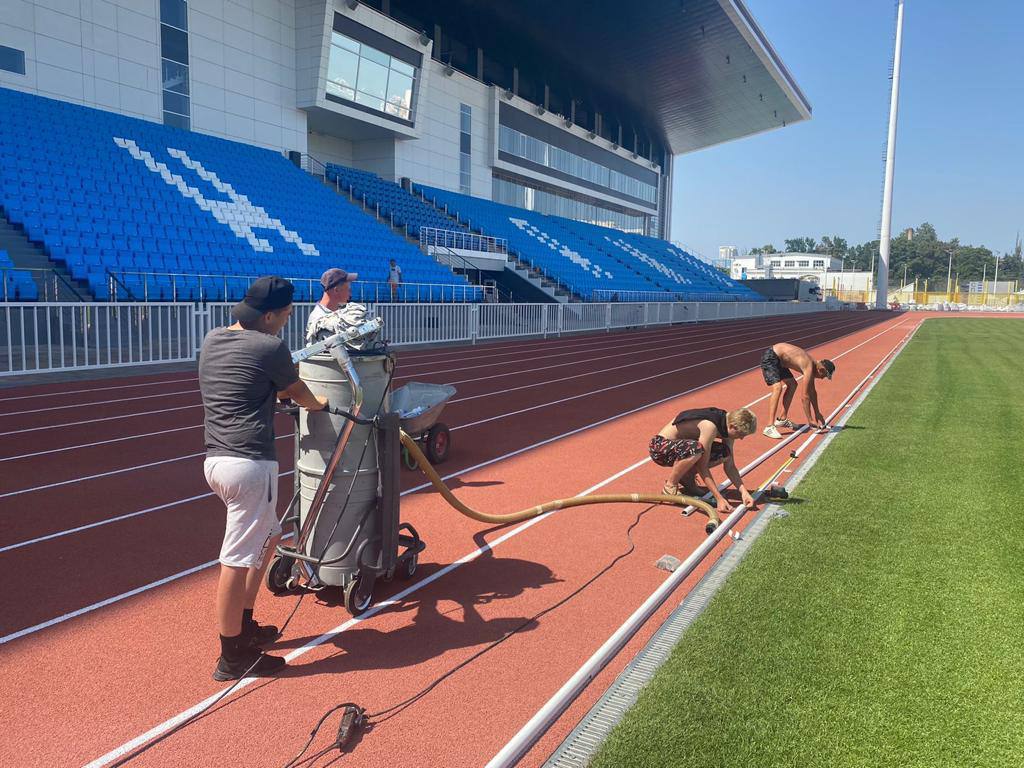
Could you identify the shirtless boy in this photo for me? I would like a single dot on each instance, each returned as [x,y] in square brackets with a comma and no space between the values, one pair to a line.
[696,440]
[777,364]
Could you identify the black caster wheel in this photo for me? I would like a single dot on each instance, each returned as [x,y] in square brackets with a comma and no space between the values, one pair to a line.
[388,575]
[439,443]
[279,575]
[358,595]
[409,566]
[408,460]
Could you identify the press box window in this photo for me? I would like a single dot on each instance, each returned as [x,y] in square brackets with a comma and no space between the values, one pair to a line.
[12,60]
[362,74]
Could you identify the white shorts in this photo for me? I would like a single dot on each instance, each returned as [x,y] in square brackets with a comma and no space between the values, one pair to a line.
[248,488]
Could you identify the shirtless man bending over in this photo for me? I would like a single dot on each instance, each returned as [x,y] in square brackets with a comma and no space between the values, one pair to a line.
[777,364]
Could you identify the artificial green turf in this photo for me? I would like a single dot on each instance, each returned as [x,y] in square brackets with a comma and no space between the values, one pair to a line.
[882,623]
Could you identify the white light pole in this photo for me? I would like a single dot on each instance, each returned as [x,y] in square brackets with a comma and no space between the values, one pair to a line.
[995,280]
[882,285]
[949,277]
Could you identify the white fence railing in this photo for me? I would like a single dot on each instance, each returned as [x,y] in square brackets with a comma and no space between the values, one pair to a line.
[38,336]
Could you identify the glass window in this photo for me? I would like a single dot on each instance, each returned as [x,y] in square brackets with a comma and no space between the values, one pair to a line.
[175,102]
[175,76]
[374,55]
[12,60]
[345,42]
[399,92]
[357,72]
[342,71]
[176,121]
[369,101]
[464,143]
[173,44]
[175,13]
[373,79]
[400,66]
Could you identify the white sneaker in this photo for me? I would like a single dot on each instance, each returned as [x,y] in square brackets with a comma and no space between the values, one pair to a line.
[772,432]
[785,423]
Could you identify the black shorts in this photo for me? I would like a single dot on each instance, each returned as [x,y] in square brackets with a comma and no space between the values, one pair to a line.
[773,369]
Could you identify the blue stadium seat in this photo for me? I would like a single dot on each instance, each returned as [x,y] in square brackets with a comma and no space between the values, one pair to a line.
[155,200]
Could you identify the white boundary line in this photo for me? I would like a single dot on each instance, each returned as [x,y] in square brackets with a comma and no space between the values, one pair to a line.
[181,717]
[524,740]
[454,428]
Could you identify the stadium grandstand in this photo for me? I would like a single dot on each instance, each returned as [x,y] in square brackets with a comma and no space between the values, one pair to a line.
[167,150]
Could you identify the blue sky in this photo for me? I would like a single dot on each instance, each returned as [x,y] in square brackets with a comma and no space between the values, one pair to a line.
[960,140]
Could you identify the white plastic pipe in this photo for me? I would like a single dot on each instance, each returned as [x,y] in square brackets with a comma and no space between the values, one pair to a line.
[882,283]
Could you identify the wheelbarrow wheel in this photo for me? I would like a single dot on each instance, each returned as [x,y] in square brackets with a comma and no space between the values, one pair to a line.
[408,460]
[409,566]
[358,595]
[279,575]
[439,443]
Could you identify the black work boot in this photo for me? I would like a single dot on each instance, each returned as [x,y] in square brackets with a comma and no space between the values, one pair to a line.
[238,658]
[256,634]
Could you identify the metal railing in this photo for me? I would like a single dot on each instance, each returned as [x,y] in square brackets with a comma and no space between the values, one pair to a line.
[465,241]
[175,286]
[617,296]
[42,336]
[50,284]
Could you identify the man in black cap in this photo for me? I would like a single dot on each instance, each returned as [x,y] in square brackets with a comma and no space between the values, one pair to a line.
[777,365]
[242,368]
[337,285]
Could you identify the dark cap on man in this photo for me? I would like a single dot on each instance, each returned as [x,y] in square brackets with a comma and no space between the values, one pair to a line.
[334,277]
[829,367]
[266,294]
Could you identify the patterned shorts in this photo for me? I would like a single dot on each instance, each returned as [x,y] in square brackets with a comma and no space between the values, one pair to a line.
[665,452]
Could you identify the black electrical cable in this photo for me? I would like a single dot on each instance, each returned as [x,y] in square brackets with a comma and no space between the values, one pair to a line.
[375,718]
[194,716]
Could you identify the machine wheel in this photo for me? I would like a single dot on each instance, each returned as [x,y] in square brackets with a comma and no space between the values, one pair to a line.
[409,566]
[408,460]
[279,575]
[356,602]
[439,443]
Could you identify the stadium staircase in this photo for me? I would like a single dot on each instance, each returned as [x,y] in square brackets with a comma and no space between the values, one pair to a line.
[135,209]
[30,274]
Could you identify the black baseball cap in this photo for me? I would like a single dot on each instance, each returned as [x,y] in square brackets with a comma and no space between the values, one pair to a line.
[265,295]
[829,367]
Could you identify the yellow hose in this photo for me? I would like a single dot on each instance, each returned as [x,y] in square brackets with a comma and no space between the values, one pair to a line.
[526,514]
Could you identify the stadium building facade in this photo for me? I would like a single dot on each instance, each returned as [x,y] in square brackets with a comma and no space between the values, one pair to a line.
[576,109]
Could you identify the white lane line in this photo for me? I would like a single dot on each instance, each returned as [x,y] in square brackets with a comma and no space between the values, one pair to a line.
[98,442]
[97,421]
[74,480]
[99,402]
[168,724]
[199,404]
[617,386]
[414,489]
[527,736]
[98,389]
[181,717]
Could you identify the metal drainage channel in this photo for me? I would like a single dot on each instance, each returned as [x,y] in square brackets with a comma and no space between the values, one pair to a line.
[582,744]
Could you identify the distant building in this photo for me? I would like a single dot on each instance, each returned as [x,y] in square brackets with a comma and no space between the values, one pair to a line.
[909,233]
[729,252]
[808,266]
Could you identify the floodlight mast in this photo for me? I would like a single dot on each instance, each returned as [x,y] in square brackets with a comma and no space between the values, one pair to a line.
[882,283]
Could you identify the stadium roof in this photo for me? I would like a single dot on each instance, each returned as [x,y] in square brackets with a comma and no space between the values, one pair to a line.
[701,72]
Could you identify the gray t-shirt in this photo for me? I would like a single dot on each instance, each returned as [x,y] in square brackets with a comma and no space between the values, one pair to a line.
[240,374]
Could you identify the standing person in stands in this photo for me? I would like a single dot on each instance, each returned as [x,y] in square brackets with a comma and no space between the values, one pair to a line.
[777,365]
[337,285]
[394,278]
[242,368]
[696,440]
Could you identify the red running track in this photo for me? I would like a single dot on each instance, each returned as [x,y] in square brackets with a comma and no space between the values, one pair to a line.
[133,663]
